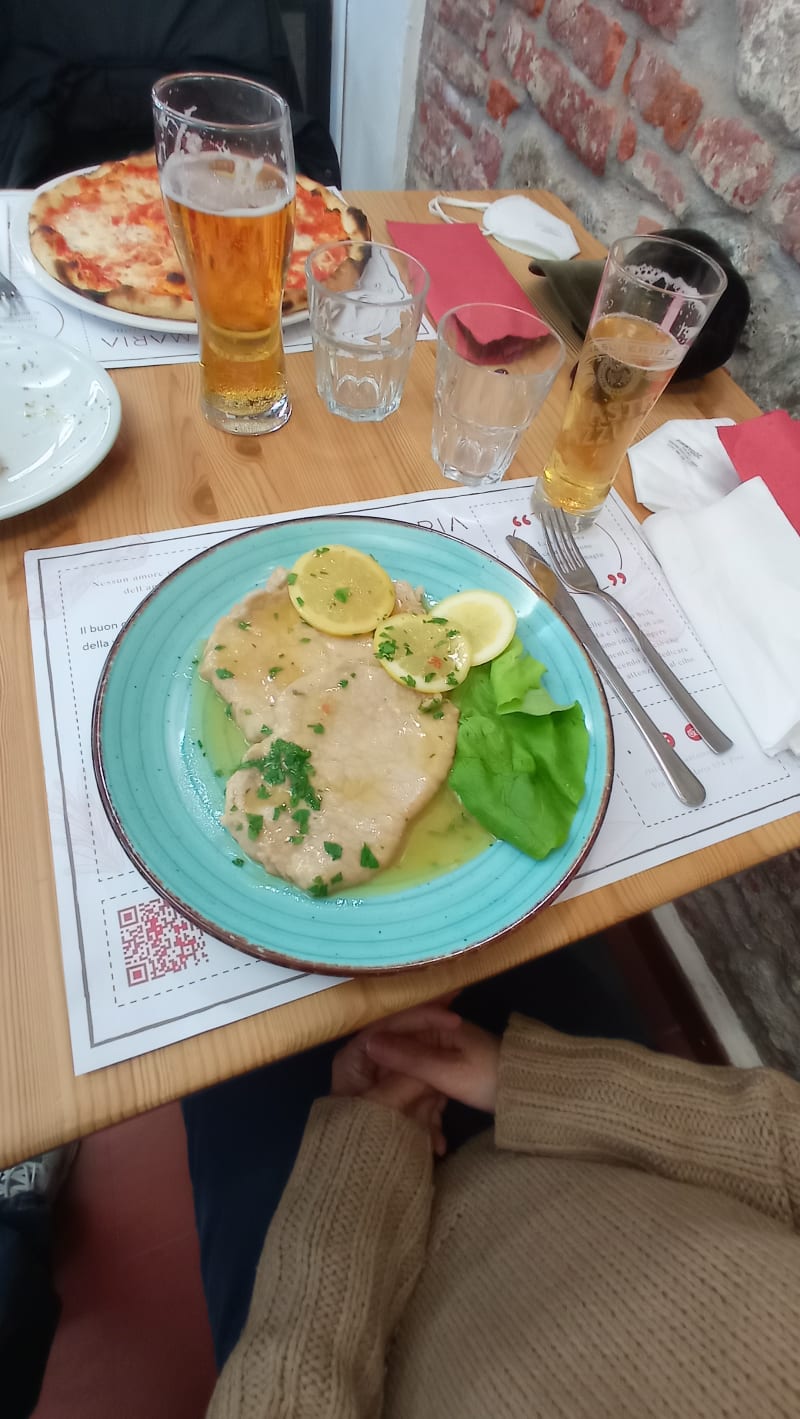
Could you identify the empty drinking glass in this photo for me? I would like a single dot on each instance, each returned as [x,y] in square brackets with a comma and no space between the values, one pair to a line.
[495,366]
[365,302]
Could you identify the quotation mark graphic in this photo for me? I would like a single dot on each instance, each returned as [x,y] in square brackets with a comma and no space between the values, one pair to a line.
[619,577]
[519,521]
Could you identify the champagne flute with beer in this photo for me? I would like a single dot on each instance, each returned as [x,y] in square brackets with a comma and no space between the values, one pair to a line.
[654,298]
[226,165]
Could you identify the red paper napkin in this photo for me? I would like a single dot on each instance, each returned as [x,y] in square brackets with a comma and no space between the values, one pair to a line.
[769,447]
[464,268]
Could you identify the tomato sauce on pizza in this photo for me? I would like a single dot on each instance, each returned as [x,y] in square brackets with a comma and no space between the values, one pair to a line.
[105,235]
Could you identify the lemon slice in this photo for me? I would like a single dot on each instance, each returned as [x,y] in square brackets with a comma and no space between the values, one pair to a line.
[340,590]
[486,619]
[427,653]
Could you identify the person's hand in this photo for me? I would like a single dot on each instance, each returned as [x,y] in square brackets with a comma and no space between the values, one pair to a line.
[356,1075]
[458,1060]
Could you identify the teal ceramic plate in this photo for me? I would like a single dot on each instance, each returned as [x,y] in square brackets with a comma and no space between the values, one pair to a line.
[164,802]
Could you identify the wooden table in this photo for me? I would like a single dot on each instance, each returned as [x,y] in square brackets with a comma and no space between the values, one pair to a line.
[169,468]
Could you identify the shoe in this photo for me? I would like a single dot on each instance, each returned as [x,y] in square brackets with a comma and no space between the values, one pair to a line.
[40,1177]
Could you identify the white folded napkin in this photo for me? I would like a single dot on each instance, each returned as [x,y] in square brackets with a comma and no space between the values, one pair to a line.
[682,465]
[735,568]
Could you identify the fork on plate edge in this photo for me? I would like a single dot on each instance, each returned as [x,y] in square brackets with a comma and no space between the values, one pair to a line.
[12,303]
[573,570]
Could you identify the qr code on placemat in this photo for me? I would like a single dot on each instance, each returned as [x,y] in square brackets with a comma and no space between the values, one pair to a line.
[157,942]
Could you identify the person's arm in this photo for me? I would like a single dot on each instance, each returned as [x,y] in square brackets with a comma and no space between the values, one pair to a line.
[340,1260]
[736,1130]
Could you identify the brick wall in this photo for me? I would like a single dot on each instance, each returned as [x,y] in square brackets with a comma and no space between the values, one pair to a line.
[679,111]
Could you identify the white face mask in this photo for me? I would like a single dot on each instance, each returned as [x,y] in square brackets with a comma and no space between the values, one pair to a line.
[519,223]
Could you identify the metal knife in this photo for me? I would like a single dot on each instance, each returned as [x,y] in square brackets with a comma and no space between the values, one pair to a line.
[682,781]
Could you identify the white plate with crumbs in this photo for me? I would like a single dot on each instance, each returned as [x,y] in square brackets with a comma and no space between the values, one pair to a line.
[59,416]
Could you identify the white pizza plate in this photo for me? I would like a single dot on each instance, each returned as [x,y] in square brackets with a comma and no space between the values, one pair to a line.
[21,241]
[59,416]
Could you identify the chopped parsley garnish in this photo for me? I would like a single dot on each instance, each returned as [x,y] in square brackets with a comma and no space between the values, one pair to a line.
[452,680]
[229,711]
[431,675]
[333,850]
[243,625]
[224,674]
[301,817]
[335,880]
[255,822]
[316,728]
[262,791]
[410,680]
[452,633]
[291,578]
[276,812]
[200,744]
[288,763]
[343,684]
[273,671]
[318,888]
[305,640]
[300,602]
[342,593]
[436,621]
[265,729]
[387,650]
[432,707]
[318,551]
[219,647]
[368,858]
[237,861]
[295,838]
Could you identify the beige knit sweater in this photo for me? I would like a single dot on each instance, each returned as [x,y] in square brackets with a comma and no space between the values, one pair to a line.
[626,1246]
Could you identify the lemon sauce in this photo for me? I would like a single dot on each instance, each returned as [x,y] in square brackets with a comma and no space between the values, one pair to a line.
[442,837]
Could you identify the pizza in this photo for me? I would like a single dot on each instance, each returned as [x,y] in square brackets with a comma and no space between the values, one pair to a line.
[105,235]
[320,217]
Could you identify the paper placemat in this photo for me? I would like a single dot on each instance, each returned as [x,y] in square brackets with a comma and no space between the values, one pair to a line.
[138,975]
[113,344]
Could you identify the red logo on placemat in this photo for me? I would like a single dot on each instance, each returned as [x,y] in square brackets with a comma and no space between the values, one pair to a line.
[157,942]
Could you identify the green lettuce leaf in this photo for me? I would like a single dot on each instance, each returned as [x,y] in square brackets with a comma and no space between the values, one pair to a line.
[520,772]
[516,682]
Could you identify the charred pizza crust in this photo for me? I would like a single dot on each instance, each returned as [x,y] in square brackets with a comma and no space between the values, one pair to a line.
[353,227]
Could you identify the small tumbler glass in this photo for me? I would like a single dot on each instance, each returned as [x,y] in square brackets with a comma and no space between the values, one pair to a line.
[365,302]
[495,366]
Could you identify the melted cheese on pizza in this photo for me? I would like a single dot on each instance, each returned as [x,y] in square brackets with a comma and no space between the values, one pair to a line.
[115,232]
[315,224]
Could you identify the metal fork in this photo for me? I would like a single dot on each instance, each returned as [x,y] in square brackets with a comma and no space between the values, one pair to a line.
[574,571]
[12,303]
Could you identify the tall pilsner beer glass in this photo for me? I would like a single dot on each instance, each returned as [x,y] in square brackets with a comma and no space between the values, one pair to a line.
[654,298]
[226,163]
